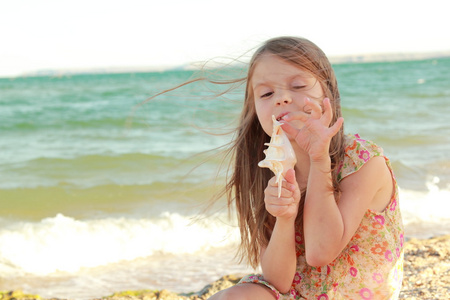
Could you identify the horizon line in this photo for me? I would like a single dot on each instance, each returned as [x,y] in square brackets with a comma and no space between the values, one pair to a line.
[334,59]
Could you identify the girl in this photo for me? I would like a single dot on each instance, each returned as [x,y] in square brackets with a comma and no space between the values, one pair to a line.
[336,230]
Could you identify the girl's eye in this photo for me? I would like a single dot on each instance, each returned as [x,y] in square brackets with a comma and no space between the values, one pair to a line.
[267,95]
[298,87]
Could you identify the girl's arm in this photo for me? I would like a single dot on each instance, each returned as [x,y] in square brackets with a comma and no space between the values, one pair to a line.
[279,260]
[328,226]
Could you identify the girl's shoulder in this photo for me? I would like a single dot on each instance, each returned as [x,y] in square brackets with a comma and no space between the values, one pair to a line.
[358,151]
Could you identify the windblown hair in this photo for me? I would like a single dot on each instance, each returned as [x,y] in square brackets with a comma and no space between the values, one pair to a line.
[247,183]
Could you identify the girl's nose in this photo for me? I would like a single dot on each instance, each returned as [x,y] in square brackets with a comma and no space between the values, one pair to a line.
[283,99]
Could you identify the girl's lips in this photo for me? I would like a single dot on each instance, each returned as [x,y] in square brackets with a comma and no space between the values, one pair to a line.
[280,116]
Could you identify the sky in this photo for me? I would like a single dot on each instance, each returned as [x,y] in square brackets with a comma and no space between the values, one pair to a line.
[88,34]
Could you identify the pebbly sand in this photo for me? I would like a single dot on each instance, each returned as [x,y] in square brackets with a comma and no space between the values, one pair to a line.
[426,276]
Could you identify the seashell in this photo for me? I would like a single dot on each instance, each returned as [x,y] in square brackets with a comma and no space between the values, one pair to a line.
[280,156]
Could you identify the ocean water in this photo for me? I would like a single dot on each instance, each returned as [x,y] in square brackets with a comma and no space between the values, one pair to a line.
[99,194]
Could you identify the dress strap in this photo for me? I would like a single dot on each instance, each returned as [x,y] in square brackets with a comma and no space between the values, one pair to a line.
[357,152]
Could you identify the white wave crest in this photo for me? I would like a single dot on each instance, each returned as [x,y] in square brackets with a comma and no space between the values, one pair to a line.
[426,213]
[64,244]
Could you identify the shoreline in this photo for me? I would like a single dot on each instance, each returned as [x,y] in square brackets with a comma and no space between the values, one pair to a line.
[426,276]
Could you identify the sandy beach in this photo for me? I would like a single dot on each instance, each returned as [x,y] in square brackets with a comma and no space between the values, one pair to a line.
[426,276]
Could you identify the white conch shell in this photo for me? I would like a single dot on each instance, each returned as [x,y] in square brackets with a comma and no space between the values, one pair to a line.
[280,156]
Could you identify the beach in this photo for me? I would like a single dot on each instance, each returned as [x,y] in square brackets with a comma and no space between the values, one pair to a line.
[426,276]
[97,197]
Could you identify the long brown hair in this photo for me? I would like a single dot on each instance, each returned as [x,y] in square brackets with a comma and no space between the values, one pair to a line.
[247,182]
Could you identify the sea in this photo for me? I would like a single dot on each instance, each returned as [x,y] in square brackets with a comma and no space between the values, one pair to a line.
[103,189]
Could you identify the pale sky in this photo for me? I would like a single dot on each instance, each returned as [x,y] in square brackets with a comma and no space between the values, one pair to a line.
[68,34]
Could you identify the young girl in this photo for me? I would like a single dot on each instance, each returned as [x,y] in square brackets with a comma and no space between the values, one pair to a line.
[336,230]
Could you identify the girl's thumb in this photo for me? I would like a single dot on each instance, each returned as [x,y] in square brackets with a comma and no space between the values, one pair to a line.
[290,176]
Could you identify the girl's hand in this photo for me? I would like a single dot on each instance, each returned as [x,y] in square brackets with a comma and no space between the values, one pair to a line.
[315,136]
[287,205]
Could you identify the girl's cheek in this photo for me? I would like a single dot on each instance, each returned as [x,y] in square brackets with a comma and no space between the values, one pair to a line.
[266,123]
[267,129]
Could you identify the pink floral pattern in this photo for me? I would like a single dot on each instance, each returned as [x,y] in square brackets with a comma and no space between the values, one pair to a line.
[378,277]
[371,265]
[366,294]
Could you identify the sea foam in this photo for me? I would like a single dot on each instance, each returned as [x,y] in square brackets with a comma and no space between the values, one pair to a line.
[65,244]
[426,213]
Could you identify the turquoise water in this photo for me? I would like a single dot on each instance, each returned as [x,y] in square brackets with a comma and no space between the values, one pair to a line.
[92,186]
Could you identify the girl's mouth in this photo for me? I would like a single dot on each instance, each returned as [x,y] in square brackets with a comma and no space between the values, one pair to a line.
[280,117]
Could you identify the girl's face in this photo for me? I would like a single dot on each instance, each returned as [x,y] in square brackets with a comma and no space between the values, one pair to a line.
[280,87]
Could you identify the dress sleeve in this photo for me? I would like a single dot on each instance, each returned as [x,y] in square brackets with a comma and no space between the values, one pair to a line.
[357,152]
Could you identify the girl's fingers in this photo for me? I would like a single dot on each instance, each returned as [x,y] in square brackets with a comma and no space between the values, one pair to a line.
[287,203]
[272,193]
[327,112]
[287,191]
[336,126]
[312,109]
[290,176]
[279,211]
[316,109]
[296,115]
[290,130]
[325,115]
[273,181]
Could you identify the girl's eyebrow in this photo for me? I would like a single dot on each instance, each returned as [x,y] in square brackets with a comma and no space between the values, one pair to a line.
[255,86]
[290,78]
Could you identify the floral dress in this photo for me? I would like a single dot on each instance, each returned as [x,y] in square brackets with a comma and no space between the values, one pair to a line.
[371,265]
